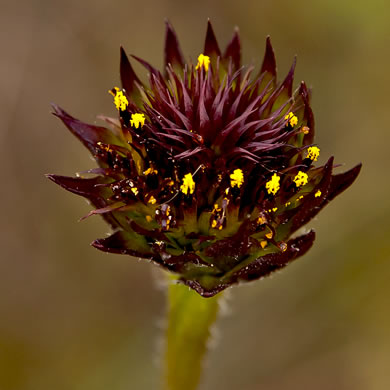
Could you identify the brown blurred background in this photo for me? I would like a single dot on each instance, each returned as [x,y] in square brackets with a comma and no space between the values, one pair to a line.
[74,318]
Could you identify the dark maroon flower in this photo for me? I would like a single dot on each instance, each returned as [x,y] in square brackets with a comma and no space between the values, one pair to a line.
[208,171]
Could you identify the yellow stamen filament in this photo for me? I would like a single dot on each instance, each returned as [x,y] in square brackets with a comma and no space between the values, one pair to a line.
[318,194]
[300,179]
[203,61]
[237,178]
[137,120]
[188,184]
[292,119]
[273,185]
[313,152]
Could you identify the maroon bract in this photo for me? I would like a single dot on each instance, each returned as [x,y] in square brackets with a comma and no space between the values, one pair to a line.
[208,171]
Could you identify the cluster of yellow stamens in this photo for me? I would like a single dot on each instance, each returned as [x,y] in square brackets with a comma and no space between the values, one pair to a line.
[292,119]
[300,179]
[203,61]
[313,153]
[188,184]
[120,100]
[237,178]
[137,120]
[273,185]
[151,171]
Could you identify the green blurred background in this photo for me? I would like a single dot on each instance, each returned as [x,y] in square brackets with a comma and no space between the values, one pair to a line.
[74,318]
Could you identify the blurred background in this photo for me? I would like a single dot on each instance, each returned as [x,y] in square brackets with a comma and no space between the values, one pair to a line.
[74,318]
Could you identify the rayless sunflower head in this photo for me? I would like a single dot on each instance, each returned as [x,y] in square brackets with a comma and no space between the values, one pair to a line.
[208,169]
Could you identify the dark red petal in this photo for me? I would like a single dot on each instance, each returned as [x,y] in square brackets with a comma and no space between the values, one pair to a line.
[173,54]
[128,77]
[258,268]
[211,47]
[93,189]
[89,135]
[126,243]
[342,181]
[233,50]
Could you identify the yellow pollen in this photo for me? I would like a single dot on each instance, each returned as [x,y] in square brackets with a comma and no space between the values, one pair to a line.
[137,120]
[263,243]
[300,179]
[287,204]
[203,61]
[292,119]
[152,200]
[150,171]
[274,209]
[214,223]
[134,190]
[305,130]
[273,185]
[220,228]
[261,220]
[237,178]
[188,184]
[300,198]
[313,152]
[149,218]
[120,100]
[269,235]
[318,194]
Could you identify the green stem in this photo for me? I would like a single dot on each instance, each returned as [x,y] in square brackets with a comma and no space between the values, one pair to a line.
[189,319]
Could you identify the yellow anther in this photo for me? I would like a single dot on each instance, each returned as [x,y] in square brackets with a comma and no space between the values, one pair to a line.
[287,204]
[188,184]
[152,200]
[214,223]
[269,235]
[134,190]
[237,178]
[220,227]
[273,185]
[203,61]
[305,129]
[318,194]
[261,220]
[274,209]
[227,191]
[120,100]
[291,118]
[313,152]
[263,243]
[149,218]
[300,179]
[137,120]
[151,171]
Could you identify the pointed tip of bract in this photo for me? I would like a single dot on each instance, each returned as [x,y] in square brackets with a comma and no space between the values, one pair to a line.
[172,51]
[233,49]
[211,47]
[128,77]
[269,61]
[289,80]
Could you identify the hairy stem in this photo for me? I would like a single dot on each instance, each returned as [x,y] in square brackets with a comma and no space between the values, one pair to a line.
[189,320]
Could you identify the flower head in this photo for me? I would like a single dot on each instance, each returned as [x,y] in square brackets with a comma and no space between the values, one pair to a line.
[208,170]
